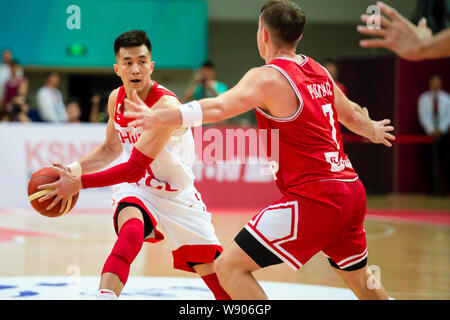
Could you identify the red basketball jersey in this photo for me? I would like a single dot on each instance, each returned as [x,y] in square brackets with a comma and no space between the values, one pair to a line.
[310,144]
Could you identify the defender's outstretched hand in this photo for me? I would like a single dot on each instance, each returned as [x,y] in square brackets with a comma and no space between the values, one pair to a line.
[67,186]
[137,109]
[146,118]
[397,34]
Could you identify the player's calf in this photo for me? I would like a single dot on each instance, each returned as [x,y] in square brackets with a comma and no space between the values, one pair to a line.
[125,250]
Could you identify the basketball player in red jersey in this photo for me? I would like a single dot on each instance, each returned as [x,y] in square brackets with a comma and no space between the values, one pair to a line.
[324,202]
[155,180]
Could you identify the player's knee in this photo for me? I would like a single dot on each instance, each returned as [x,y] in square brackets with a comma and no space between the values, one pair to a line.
[227,268]
[127,247]
[222,267]
[132,238]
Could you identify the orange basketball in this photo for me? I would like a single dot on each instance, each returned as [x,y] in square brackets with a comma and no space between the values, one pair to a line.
[44,176]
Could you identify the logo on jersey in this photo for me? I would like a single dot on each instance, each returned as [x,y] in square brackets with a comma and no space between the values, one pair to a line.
[129,135]
[337,163]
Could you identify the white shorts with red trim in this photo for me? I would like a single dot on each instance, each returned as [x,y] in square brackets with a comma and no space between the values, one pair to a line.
[182,217]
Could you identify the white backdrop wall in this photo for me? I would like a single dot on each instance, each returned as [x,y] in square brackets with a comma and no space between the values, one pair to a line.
[25,148]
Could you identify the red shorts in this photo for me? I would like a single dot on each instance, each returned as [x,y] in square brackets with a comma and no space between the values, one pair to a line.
[323,216]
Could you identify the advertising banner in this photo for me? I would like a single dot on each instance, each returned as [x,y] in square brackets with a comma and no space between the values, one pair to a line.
[229,170]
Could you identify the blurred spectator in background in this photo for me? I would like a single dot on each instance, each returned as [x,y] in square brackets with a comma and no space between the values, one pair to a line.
[73,110]
[49,100]
[15,85]
[434,116]
[204,84]
[98,109]
[5,71]
[332,68]
[18,111]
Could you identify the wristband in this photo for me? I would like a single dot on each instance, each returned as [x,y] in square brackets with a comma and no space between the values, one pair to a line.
[191,113]
[75,168]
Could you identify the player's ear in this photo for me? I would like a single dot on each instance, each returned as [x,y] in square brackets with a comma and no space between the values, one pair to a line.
[152,66]
[116,69]
[266,35]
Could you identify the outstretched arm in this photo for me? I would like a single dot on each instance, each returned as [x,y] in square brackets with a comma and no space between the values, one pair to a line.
[357,120]
[248,93]
[408,41]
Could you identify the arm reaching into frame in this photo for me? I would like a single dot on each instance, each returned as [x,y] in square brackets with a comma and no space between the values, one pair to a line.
[251,91]
[406,40]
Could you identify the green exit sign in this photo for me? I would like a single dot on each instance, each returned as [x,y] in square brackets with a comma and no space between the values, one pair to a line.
[76,50]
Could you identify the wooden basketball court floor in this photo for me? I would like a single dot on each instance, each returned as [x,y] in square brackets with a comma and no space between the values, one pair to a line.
[408,241]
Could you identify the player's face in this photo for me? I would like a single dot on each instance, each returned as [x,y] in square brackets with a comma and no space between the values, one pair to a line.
[134,67]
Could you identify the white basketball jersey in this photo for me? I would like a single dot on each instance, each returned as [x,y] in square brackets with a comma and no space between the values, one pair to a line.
[171,171]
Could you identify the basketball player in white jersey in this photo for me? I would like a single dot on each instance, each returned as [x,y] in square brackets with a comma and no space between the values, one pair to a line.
[155,190]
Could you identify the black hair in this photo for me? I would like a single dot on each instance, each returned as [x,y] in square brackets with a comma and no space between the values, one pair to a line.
[208,64]
[50,73]
[74,100]
[132,38]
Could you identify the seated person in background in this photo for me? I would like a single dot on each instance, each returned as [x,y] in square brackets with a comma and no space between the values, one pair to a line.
[73,110]
[19,110]
[98,109]
[434,116]
[204,84]
[16,84]
[49,100]
[5,71]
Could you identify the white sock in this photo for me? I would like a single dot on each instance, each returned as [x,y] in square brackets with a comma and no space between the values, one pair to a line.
[105,294]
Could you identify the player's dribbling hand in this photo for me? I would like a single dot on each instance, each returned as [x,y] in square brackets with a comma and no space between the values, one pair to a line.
[60,166]
[63,189]
[56,165]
